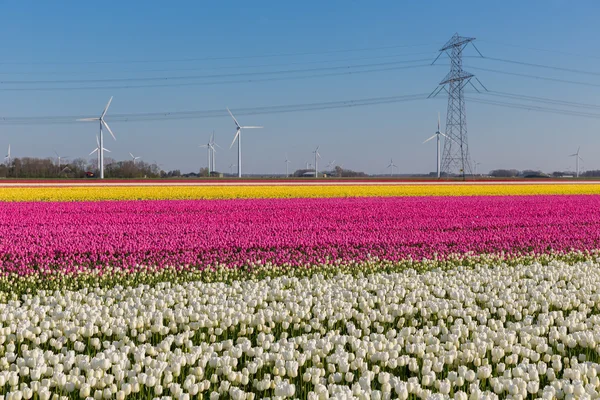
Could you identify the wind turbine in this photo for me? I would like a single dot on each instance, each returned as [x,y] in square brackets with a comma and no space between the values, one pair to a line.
[287,164]
[59,158]
[231,168]
[476,164]
[577,158]
[330,165]
[437,135]
[317,156]
[7,157]
[212,145]
[97,149]
[134,158]
[238,136]
[392,166]
[209,147]
[101,142]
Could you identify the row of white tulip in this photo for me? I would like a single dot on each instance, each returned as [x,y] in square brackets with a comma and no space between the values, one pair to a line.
[494,331]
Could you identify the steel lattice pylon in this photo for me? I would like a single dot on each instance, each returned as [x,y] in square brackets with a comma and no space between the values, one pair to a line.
[455,156]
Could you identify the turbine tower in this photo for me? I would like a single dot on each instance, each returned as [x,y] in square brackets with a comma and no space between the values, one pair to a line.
[317,156]
[455,156]
[577,158]
[97,149]
[209,154]
[59,158]
[437,134]
[7,157]
[287,165]
[391,167]
[238,136]
[101,141]
[212,145]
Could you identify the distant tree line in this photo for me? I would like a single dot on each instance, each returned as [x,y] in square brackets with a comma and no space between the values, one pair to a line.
[46,168]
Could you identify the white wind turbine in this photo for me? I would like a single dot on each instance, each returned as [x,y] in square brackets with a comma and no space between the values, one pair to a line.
[391,167]
[59,158]
[287,165]
[101,142]
[330,165]
[231,168]
[577,158]
[134,158]
[437,135]
[209,154]
[7,157]
[475,163]
[238,136]
[317,156]
[97,149]
[214,144]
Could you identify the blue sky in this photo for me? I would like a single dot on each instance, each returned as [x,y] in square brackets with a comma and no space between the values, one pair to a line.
[52,41]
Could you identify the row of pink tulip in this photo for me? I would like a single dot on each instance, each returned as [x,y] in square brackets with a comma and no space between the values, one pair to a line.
[72,237]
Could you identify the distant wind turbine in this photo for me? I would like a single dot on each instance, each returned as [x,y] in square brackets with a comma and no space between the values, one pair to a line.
[231,168]
[214,144]
[475,163]
[437,135]
[59,158]
[317,156]
[209,154]
[134,158]
[7,157]
[577,158]
[330,165]
[391,167]
[102,122]
[238,137]
[97,149]
[287,164]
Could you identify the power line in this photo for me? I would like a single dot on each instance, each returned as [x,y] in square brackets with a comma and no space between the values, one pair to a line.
[544,78]
[504,60]
[217,112]
[542,100]
[195,77]
[214,113]
[116,87]
[218,67]
[534,108]
[274,55]
[540,49]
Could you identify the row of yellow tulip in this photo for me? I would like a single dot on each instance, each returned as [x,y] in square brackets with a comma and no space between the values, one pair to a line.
[266,191]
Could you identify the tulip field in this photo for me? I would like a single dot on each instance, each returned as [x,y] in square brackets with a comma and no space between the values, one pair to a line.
[308,292]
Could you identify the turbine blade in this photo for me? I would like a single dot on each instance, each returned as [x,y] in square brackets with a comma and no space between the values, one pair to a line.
[93,151]
[235,138]
[252,127]
[108,127]
[97,141]
[234,120]
[88,119]
[106,108]
[106,150]
[438,121]
[131,155]
[429,139]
